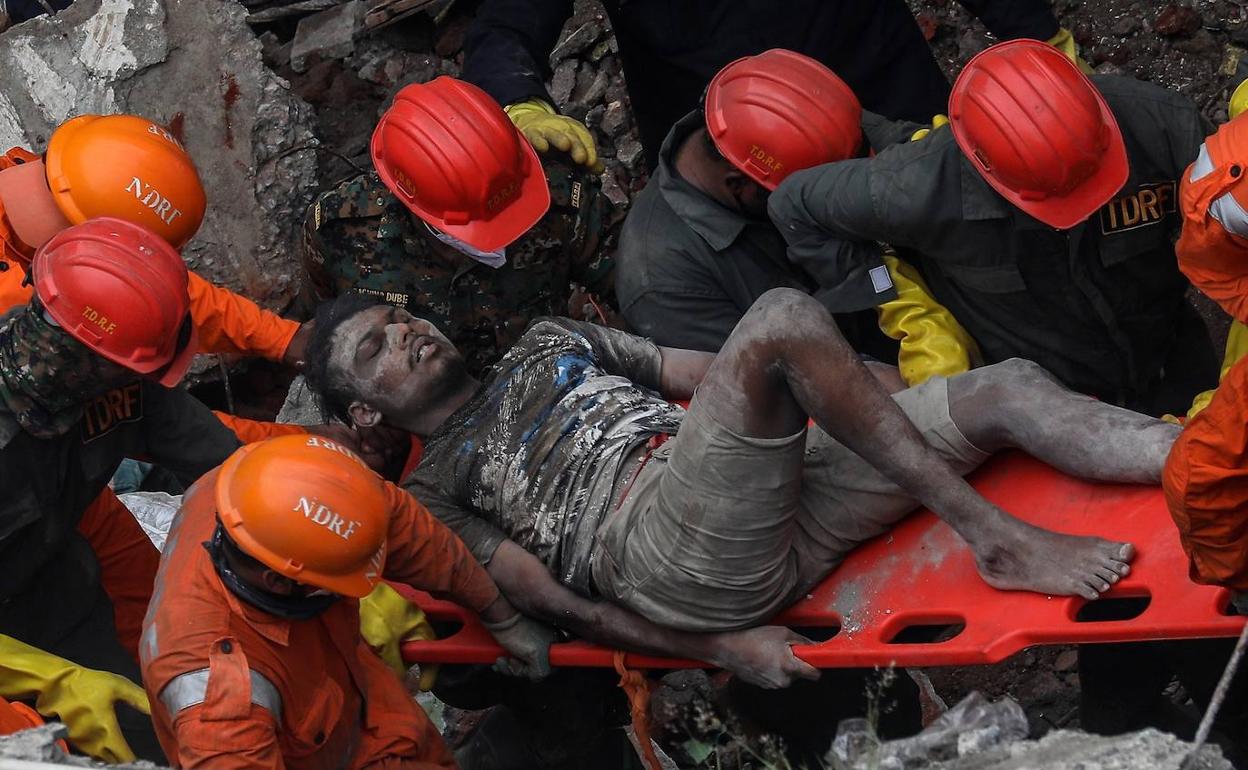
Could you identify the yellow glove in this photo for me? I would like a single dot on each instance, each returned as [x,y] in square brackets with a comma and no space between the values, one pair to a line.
[937,122]
[544,127]
[1239,100]
[1065,42]
[80,697]
[386,620]
[1236,347]
[932,341]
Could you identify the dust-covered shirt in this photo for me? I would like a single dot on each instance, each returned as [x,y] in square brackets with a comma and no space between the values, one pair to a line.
[535,455]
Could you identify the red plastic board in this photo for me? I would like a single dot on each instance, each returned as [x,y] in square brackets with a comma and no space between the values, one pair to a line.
[922,574]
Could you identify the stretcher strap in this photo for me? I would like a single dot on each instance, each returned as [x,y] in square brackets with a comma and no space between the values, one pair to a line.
[637,688]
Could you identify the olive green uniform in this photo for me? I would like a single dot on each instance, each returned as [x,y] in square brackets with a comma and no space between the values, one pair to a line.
[358,237]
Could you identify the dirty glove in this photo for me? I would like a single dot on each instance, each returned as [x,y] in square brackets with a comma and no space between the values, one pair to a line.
[528,642]
[386,620]
[1065,42]
[937,122]
[544,128]
[1236,348]
[763,656]
[932,340]
[82,698]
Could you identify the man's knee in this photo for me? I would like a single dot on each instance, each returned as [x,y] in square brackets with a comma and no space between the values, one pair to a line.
[782,312]
[1002,382]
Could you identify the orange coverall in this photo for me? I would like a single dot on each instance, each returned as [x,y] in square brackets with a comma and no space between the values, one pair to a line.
[226,323]
[1206,475]
[235,688]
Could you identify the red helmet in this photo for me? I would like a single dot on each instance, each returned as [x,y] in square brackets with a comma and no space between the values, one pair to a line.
[1038,131]
[780,112]
[450,153]
[119,289]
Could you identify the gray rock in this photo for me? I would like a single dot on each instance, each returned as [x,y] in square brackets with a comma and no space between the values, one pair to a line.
[578,42]
[616,119]
[563,81]
[329,34]
[235,117]
[630,153]
[38,744]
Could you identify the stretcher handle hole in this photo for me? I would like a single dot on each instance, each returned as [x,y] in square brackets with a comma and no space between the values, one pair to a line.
[1113,609]
[927,633]
[817,634]
[445,628]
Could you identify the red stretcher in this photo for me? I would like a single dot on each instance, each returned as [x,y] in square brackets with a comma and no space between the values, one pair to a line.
[898,593]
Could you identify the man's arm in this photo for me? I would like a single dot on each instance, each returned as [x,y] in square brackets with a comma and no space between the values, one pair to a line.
[507,51]
[828,219]
[229,323]
[683,319]
[181,434]
[760,656]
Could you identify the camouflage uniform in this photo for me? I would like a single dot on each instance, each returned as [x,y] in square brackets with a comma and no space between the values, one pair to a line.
[359,237]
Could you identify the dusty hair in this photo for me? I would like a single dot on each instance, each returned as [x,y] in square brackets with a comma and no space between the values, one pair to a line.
[333,389]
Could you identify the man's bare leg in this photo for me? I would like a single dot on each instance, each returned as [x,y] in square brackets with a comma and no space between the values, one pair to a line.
[786,361]
[1018,403]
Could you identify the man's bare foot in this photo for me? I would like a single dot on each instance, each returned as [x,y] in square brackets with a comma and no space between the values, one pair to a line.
[1014,555]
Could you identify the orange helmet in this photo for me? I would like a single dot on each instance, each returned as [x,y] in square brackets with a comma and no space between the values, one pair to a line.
[119,166]
[1038,131]
[449,152]
[307,508]
[120,290]
[780,112]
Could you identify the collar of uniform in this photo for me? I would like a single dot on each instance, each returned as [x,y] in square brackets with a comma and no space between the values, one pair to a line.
[715,224]
[275,629]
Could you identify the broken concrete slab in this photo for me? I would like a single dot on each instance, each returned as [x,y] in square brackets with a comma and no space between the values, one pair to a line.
[250,136]
[329,34]
[38,747]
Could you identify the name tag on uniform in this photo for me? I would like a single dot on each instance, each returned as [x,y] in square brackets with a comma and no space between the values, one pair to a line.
[1147,205]
[881,281]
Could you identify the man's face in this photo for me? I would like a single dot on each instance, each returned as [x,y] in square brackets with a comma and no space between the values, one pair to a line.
[401,365]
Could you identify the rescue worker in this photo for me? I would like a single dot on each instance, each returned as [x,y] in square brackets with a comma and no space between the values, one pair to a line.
[697,248]
[1041,217]
[258,587]
[671,50]
[1204,475]
[86,375]
[458,224]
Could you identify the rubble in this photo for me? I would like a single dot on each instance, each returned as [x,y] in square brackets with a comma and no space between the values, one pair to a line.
[329,34]
[39,745]
[239,121]
[979,735]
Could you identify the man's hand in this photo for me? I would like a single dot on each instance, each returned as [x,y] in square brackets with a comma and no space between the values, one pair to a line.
[296,352]
[763,656]
[528,641]
[545,128]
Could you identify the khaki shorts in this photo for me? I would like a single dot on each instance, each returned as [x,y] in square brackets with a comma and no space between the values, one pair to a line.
[721,531]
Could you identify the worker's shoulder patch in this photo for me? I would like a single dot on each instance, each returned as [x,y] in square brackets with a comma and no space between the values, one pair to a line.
[105,413]
[226,689]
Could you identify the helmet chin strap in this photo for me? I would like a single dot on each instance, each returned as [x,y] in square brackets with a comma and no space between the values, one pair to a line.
[287,607]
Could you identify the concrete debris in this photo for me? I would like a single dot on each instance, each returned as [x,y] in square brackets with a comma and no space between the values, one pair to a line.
[38,745]
[563,81]
[329,34]
[577,43]
[237,119]
[979,735]
[282,11]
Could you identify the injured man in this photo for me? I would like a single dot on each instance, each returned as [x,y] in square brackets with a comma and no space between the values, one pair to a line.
[551,469]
